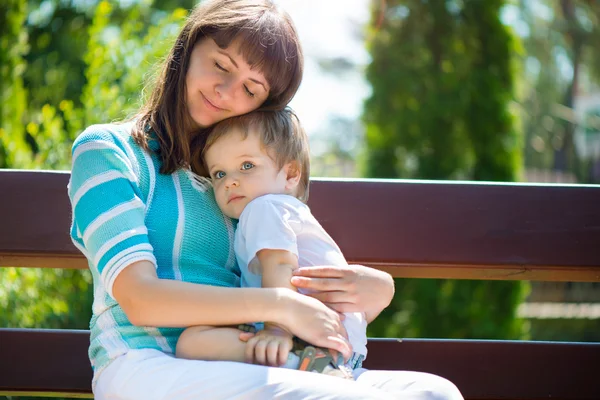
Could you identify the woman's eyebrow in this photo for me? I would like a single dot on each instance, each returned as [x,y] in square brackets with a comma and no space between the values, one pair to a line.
[223,52]
[258,83]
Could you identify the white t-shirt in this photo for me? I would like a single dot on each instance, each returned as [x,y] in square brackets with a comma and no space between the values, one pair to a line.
[282,222]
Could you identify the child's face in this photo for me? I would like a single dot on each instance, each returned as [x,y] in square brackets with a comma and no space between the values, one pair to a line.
[241,170]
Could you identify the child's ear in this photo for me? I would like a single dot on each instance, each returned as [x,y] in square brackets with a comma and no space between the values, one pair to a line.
[294,174]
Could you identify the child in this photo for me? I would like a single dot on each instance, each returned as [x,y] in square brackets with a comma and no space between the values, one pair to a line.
[259,167]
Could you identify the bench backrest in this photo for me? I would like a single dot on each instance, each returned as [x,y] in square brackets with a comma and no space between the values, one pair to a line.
[409,228]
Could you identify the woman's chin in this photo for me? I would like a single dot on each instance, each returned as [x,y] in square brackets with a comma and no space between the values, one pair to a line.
[201,120]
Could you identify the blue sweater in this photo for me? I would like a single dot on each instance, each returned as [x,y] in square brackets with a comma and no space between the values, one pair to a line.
[125,211]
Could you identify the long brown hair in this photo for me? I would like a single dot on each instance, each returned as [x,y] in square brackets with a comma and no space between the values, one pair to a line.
[270,43]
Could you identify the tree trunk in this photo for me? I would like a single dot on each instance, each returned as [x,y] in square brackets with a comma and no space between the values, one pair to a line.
[565,157]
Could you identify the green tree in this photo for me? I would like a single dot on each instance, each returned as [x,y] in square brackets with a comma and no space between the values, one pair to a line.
[13,47]
[122,59]
[489,119]
[561,62]
[442,78]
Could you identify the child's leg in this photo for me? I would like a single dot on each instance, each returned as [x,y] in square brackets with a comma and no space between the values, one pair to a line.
[211,344]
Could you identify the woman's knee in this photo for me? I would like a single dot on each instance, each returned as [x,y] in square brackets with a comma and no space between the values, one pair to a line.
[410,385]
[438,388]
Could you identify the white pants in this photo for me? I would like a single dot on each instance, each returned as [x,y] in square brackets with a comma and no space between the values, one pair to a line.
[152,375]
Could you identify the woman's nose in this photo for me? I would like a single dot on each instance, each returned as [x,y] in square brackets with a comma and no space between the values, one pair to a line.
[223,89]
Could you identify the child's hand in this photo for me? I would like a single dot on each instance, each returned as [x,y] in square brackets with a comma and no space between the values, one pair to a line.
[270,346]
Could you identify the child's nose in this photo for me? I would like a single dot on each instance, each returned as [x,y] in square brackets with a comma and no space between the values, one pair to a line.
[231,182]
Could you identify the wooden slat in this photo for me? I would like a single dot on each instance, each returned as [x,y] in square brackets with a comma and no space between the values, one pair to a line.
[398,270]
[48,362]
[489,272]
[503,226]
[30,260]
[35,213]
[498,369]
[44,361]
[409,228]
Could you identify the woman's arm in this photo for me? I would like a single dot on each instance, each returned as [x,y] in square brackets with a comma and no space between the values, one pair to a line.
[150,301]
[348,289]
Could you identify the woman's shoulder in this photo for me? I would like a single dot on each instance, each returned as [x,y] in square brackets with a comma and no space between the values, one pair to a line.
[105,133]
[109,144]
[115,137]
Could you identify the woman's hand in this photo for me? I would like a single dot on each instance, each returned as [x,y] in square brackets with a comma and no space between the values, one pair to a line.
[312,321]
[353,288]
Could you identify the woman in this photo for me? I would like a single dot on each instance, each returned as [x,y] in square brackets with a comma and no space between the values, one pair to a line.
[160,250]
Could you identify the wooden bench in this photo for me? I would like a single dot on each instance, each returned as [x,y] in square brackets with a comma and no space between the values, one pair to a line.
[408,228]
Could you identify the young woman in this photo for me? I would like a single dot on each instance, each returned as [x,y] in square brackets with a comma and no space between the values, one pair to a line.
[160,250]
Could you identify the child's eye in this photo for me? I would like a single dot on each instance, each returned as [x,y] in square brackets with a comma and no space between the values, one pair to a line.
[220,67]
[248,92]
[247,165]
[218,175]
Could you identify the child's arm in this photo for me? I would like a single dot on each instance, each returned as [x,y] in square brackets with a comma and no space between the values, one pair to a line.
[277,267]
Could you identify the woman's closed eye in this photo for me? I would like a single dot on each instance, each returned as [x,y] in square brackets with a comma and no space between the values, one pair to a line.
[248,92]
[220,67]
[247,165]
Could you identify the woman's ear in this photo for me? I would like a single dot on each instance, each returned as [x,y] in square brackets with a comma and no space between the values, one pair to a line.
[293,173]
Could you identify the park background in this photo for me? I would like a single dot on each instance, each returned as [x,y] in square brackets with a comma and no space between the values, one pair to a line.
[486,90]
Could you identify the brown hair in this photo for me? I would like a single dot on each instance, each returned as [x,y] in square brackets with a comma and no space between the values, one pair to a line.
[270,43]
[280,132]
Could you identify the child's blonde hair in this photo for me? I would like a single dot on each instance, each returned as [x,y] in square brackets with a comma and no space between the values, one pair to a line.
[280,132]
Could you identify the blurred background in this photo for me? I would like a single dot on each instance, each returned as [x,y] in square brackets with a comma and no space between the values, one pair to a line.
[492,90]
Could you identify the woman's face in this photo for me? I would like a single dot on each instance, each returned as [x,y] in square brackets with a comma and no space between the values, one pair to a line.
[221,84]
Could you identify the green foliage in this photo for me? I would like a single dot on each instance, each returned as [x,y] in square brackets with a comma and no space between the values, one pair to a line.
[29,137]
[442,86]
[118,56]
[489,120]
[41,298]
[563,329]
[443,82]
[57,38]
[457,309]
[13,46]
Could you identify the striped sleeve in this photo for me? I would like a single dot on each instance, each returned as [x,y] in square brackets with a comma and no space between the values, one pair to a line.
[108,211]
